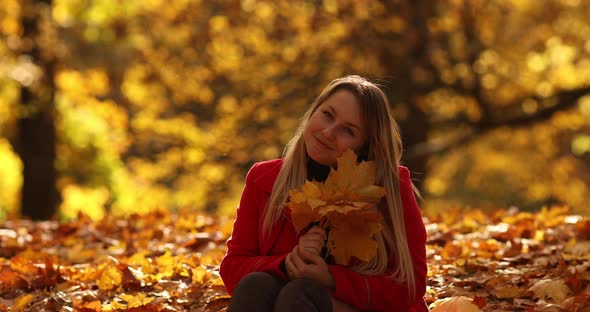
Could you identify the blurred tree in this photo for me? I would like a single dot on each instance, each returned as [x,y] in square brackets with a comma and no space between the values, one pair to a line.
[35,140]
[475,61]
[167,103]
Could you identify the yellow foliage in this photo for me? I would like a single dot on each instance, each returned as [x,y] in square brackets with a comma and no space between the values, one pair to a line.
[136,301]
[581,145]
[173,117]
[351,235]
[22,302]
[79,253]
[167,265]
[200,275]
[227,205]
[139,260]
[79,199]
[10,179]
[9,17]
[110,278]
[345,204]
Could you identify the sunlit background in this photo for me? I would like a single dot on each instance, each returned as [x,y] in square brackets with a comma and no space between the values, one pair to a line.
[166,104]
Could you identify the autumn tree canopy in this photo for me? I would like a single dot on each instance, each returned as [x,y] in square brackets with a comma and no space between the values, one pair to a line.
[168,103]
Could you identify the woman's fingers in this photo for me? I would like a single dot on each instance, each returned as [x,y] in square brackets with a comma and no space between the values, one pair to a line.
[313,241]
[291,269]
[294,264]
[313,246]
[310,258]
[316,233]
[297,261]
[312,236]
[317,230]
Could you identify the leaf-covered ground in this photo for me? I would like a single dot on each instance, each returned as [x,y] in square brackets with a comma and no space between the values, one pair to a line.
[501,261]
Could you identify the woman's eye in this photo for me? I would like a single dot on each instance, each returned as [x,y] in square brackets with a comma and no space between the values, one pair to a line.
[349,131]
[327,114]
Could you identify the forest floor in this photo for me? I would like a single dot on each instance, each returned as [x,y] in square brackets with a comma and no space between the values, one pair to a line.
[504,260]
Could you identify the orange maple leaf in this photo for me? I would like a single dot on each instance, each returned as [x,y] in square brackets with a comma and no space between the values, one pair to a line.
[345,203]
[351,235]
[302,215]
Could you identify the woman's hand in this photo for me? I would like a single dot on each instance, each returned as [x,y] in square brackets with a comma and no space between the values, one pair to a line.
[304,264]
[313,241]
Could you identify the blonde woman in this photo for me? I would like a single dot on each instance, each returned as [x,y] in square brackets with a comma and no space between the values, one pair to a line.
[270,267]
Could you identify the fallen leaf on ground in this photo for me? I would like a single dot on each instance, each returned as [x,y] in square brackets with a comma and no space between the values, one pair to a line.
[556,290]
[454,304]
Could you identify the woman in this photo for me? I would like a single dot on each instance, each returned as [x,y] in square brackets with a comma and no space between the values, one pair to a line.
[268,267]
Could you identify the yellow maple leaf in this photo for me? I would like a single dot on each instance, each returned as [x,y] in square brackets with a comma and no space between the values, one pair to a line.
[166,265]
[303,205]
[345,203]
[116,305]
[342,207]
[110,278]
[22,302]
[200,275]
[302,215]
[139,260]
[354,181]
[136,301]
[310,190]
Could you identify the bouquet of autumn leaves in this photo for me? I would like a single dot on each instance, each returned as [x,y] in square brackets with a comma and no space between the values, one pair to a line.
[346,204]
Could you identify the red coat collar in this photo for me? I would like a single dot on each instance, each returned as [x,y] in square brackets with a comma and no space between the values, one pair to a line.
[269,172]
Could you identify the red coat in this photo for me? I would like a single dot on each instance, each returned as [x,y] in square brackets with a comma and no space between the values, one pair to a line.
[248,251]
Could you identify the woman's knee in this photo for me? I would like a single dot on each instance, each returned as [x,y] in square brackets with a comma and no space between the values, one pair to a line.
[304,294]
[305,285]
[256,282]
[255,292]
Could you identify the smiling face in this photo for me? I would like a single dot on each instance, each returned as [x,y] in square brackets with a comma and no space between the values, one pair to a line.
[335,126]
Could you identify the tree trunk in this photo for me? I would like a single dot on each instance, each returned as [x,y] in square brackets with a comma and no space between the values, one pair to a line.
[36,136]
[415,131]
[415,124]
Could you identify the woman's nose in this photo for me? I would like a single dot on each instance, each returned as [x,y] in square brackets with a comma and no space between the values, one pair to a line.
[329,132]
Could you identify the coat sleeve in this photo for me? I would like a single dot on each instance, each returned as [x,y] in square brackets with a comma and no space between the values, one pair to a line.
[243,253]
[382,292]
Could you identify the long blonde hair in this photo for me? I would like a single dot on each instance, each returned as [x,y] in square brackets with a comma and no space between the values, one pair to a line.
[384,146]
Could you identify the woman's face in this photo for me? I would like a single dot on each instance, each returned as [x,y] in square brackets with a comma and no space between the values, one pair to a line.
[334,127]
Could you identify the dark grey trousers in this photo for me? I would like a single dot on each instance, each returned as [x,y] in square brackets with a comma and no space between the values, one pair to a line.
[261,292]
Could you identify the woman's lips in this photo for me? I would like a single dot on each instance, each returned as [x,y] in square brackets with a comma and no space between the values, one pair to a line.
[322,144]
